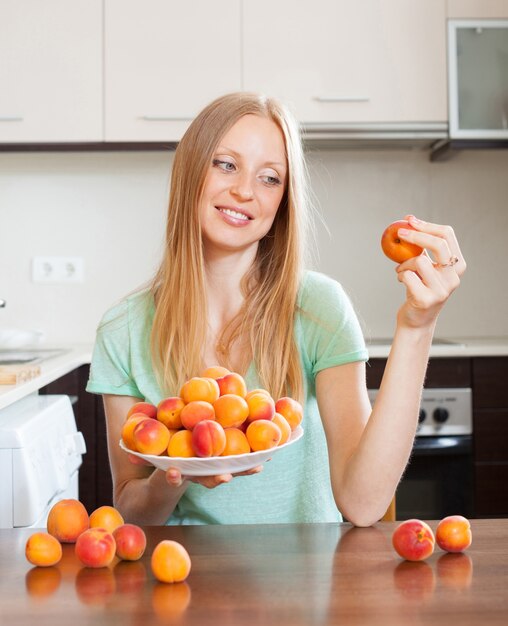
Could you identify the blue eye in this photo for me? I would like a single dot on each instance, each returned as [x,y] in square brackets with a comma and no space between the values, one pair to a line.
[271,180]
[227,166]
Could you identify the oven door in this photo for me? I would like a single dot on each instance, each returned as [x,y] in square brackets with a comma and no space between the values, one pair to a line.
[438,480]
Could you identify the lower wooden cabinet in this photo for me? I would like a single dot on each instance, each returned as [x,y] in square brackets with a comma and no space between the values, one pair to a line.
[490,423]
[95,485]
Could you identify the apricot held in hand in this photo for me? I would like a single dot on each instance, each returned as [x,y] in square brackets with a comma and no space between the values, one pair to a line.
[396,248]
[453,533]
[413,540]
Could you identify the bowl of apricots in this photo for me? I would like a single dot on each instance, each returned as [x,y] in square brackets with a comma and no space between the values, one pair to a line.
[214,426]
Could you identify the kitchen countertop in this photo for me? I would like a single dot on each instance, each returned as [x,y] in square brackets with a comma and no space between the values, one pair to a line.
[81,354]
[74,356]
[282,574]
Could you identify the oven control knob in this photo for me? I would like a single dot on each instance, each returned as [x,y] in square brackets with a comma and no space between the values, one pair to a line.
[421,416]
[440,415]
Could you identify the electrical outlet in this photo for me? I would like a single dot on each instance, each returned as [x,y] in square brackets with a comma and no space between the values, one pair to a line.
[58,269]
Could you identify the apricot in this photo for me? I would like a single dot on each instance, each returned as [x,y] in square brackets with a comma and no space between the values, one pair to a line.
[261,407]
[180,444]
[198,388]
[148,409]
[208,439]
[95,547]
[130,542]
[195,412]
[150,437]
[394,247]
[253,391]
[168,412]
[413,540]
[232,383]
[170,562]
[453,533]
[231,410]
[263,435]
[291,409]
[216,371]
[284,426]
[106,517]
[128,429]
[43,549]
[67,519]
[236,442]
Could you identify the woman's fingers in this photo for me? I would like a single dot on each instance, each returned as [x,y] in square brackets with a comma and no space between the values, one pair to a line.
[440,240]
[175,478]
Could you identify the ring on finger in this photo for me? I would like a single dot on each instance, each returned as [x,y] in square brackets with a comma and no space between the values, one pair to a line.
[451,262]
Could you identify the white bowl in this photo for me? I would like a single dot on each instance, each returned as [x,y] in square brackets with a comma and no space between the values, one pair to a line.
[211,466]
[12,338]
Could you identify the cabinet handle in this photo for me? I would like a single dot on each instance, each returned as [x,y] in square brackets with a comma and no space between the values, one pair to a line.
[342,98]
[11,118]
[164,118]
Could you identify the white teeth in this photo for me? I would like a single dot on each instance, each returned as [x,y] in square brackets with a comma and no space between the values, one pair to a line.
[235,214]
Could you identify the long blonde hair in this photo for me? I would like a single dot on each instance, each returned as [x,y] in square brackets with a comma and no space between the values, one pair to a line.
[265,324]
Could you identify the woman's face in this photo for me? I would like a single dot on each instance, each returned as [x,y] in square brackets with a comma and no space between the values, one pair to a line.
[244,185]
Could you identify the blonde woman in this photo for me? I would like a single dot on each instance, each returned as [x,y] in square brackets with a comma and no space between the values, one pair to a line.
[232,290]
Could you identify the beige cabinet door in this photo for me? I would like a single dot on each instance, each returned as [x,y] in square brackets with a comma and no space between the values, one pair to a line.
[484,9]
[50,71]
[164,61]
[337,61]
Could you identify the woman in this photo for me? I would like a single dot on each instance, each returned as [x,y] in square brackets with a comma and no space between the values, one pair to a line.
[232,290]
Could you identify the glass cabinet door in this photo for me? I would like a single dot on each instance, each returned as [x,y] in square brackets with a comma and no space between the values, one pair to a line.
[478,78]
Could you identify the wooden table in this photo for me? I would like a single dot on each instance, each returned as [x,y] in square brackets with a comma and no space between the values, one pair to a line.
[274,574]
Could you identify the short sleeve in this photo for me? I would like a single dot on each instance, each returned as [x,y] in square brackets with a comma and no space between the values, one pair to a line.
[110,370]
[331,332]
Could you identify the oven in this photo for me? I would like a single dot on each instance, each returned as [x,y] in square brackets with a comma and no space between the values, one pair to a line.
[438,480]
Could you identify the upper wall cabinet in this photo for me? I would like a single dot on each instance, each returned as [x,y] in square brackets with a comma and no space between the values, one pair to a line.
[340,61]
[481,9]
[164,61]
[50,71]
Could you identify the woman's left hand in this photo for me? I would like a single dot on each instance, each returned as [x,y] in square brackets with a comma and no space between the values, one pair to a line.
[429,281]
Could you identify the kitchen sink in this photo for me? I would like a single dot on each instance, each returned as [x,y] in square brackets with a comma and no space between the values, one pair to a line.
[22,357]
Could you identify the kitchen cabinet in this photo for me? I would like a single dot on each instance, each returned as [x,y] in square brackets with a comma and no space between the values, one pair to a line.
[336,61]
[50,71]
[95,484]
[490,419]
[481,9]
[164,61]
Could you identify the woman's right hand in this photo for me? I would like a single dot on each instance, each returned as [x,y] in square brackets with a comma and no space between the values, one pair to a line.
[174,477]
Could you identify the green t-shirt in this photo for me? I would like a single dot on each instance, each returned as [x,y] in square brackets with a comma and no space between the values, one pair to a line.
[294,487]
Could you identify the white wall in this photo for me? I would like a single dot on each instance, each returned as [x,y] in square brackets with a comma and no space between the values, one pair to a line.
[110,209]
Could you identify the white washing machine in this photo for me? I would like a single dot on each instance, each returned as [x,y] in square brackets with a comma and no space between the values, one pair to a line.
[40,455]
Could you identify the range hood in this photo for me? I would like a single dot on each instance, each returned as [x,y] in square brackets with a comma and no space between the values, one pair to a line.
[377,136]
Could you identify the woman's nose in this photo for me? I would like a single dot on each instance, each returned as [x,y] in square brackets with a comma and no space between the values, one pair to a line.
[242,188]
